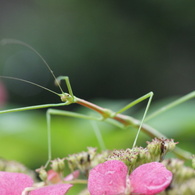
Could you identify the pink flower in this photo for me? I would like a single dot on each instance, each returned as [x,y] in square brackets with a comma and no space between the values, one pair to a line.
[111,178]
[57,189]
[75,174]
[15,183]
[3,95]
[54,177]
[150,178]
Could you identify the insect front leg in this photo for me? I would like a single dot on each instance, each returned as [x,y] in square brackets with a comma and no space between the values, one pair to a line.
[51,112]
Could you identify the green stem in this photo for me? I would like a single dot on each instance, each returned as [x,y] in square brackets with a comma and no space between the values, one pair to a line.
[77,181]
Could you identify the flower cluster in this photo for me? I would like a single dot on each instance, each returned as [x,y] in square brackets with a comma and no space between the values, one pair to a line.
[111,177]
[139,171]
[134,157]
[21,184]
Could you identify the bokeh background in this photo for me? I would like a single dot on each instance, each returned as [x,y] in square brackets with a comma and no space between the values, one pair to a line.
[113,52]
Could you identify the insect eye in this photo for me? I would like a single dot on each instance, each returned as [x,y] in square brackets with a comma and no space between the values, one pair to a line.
[63,98]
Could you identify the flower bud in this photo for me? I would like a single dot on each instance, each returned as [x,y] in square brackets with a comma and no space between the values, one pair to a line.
[42,173]
[82,160]
[159,147]
[58,165]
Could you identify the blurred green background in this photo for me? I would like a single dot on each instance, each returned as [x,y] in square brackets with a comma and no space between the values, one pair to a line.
[113,52]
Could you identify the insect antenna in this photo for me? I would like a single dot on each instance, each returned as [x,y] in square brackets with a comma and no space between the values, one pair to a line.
[14,41]
[26,81]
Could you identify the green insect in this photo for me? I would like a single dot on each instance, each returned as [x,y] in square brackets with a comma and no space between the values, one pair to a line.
[116,118]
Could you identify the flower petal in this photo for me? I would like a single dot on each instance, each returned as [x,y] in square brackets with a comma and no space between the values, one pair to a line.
[57,189]
[53,176]
[14,183]
[108,178]
[150,178]
[72,176]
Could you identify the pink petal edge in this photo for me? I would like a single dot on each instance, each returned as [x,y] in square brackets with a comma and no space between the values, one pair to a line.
[108,178]
[14,183]
[150,178]
[73,175]
[57,189]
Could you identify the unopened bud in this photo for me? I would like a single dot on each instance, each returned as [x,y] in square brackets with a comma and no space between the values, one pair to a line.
[159,147]
[58,165]
[42,173]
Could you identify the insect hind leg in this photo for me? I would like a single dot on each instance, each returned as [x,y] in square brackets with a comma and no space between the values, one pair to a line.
[142,98]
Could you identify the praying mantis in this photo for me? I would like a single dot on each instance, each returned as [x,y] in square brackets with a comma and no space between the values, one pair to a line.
[115,118]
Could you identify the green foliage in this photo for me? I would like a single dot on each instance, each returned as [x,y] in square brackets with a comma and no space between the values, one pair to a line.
[24,134]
